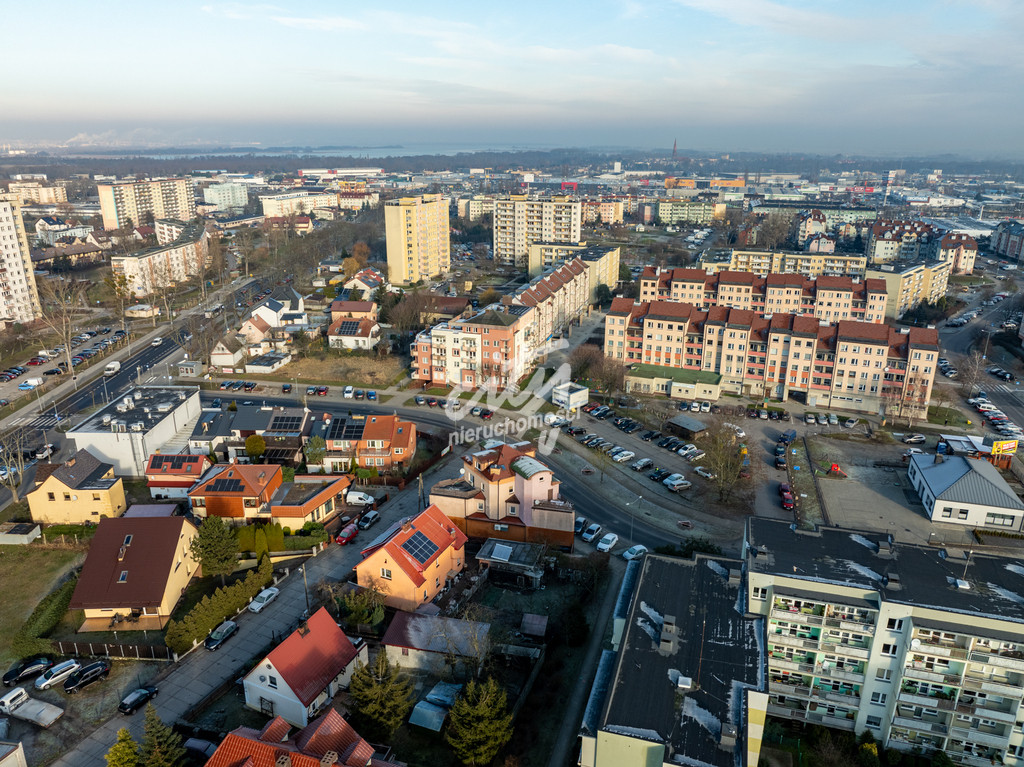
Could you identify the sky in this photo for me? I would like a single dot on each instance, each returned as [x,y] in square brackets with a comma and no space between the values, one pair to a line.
[821,76]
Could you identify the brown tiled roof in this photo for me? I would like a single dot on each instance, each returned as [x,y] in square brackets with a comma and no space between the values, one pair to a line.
[146,561]
[864,331]
[621,306]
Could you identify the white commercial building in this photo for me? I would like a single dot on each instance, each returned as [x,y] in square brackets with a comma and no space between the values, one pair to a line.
[164,265]
[296,203]
[965,491]
[145,420]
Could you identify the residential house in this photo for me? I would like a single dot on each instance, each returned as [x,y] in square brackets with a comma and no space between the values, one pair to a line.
[292,224]
[237,493]
[81,490]
[961,249]
[965,491]
[135,572]
[254,330]
[367,280]
[444,308]
[353,310]
[383,442]
[1008,239]
[506,493]
[227,354]
[299,678]
[327,741]
[172,476]
[284,430]
[416,560]
[354,334]
[308,498]
[433,643]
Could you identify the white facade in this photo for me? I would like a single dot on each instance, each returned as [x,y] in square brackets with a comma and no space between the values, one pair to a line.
[134,426]
[570,396]
[130,201]
[964,491]
[19,299]
[226,196]
[149,270]
[296,203]
[520,221]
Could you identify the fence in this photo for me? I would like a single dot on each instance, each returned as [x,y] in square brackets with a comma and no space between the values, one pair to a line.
[114,650]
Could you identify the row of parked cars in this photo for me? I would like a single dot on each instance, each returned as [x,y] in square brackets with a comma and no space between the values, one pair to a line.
[998,421]
[71,673]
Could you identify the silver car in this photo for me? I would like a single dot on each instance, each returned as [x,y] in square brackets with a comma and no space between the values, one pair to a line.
[57,674]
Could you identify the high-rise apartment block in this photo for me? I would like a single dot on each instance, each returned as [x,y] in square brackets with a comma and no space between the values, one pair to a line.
[166,264]
[124,202]
[19,300]
[521,220]
[227,197]
[35,193]
[418,239]
[764,262]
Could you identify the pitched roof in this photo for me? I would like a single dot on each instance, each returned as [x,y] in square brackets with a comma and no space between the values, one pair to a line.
[439,532]
[308,660]
[82,470]
[327,734]
[236,480]
[965,480]
[259,323]
[435,633]
[119,572]
[180,463]
[353,306]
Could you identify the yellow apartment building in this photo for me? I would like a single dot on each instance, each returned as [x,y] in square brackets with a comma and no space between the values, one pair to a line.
[418,241]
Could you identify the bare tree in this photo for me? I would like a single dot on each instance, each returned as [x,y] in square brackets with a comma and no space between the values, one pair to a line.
[969,372]
[62,302]
[197,336]
[773,230]
[14,444]
[406,314]
[723,457]
[118,284]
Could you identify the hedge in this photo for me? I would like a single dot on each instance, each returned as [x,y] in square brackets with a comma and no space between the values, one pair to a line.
[43,620]
[213,609]
[260,538]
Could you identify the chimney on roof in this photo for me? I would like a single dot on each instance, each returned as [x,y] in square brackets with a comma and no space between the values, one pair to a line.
[406,525]
[303,629]
[283,760]
[329,759]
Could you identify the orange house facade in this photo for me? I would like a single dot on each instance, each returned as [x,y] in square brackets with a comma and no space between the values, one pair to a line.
[237,493]
[416,561]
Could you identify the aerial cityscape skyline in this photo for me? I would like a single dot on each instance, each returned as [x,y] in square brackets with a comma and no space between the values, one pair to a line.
[747,76]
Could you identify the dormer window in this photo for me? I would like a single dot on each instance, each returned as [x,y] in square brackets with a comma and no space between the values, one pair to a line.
[123,577]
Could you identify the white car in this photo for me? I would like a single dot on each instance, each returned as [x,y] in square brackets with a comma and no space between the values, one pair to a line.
[349,393]
[45,451]
[355,498]
[608,542]
[624,456]
[740,434]
[156,341]
[634,552]
[591,533]
[913,451]
[705,407]
[263,599]
[706,473]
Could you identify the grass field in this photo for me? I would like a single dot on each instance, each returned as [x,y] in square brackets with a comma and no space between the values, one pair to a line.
[372,372]
[946,416]
[35,570]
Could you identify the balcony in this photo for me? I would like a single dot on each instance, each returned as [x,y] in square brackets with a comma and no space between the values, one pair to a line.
[1006,713]
[831,721]
[796,616]
[839,648]
[981,737]
[960,757]
[849,698]
[994,686]
[789,689]
[790,665]
[838,673]
[997,659]
[794,641]
[922,675]
[942,650]
[920,725]
[912,698]
[774,709]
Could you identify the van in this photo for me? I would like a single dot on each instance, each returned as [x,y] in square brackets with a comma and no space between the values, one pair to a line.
[984,407]
[368,520]
[349,393]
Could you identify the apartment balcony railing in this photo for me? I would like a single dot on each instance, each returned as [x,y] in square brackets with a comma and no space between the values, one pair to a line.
[942,650]
[1003,714]
[923,675]
[793,641]
[912,698]
[997,659]
[789,689]
[844,649]
[839,723]
[981,737]
[785,664]
[996,687]
[920,725]
[850,698]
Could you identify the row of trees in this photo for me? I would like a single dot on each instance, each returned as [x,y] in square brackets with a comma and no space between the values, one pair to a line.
[161,746]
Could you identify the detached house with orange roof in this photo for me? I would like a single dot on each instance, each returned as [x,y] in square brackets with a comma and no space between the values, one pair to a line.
[382,442]
[327,741]
[238,493]
[301,676]
[308,498]
[506,493]
[415,560]
[254,330]
[172,476]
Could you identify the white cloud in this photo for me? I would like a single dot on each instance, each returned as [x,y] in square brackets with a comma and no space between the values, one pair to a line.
[318,23]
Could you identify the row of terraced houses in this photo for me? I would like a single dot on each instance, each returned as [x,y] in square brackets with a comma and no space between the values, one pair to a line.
[682,350]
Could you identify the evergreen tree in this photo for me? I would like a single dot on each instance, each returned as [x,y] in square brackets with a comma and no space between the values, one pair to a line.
[480,723]
[161,746]
[315,450]
[215,548]
[383,697]
[124,752]
[255,446]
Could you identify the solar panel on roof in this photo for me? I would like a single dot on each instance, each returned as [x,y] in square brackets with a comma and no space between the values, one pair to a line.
[348,327]
[286,423]
[225,485]
[420,547]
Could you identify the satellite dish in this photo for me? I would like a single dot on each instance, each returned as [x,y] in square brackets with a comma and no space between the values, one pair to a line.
[462,471]
[825,665]
[915,644]
[263,678]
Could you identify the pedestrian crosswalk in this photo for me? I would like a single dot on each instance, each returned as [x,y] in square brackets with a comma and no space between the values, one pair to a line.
[39,422]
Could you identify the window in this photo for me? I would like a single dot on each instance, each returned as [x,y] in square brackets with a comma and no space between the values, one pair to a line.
[67,496]
[878,698]
[759,592]
[883,674]
[962,514]
[123,577]
[50,497]
[405,651]
[272,682]
[1000,520]
[889,649]
[874,722]
[385,573]
[96,496]
[894,624]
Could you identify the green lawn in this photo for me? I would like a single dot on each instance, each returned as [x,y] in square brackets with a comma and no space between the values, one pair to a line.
[947,416]
[35,570]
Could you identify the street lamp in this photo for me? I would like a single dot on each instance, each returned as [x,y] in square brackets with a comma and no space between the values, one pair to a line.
[632,515]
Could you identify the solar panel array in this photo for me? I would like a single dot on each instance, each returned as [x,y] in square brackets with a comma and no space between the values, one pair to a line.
[225,485]
[173,462]
[420,547]
[348,328]
[286,423]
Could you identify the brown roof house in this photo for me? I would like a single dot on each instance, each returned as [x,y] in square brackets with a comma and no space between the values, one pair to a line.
[135,573]
[83,489]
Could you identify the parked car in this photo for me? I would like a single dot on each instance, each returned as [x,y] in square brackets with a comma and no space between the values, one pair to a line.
[659,474]
[642,464]
[706,473]
[914,439]
[321,391]
[634,552]
[263,599]
[45,451]
[787,501]
[85,676]
[368,520]
[422,400]
[371,396]
[311,391]
[607,543]
[591,533]
[26,669]
[780,462]
[347,535]
[850,423]
[136,699]
[675,483]
[286,388]
[57,673]
[580,526]
[220,635]
[349,392]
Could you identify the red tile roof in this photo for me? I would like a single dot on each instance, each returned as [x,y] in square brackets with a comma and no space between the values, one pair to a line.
[254,479]
[437,528]
[621,306]
[327,734]
[309,661]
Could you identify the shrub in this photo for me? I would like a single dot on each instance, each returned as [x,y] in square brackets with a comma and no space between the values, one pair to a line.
[275,537]
[43,620]
[246,539]
[260,542]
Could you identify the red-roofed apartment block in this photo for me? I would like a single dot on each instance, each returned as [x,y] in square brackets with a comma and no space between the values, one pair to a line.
[415,561]
[301,676]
